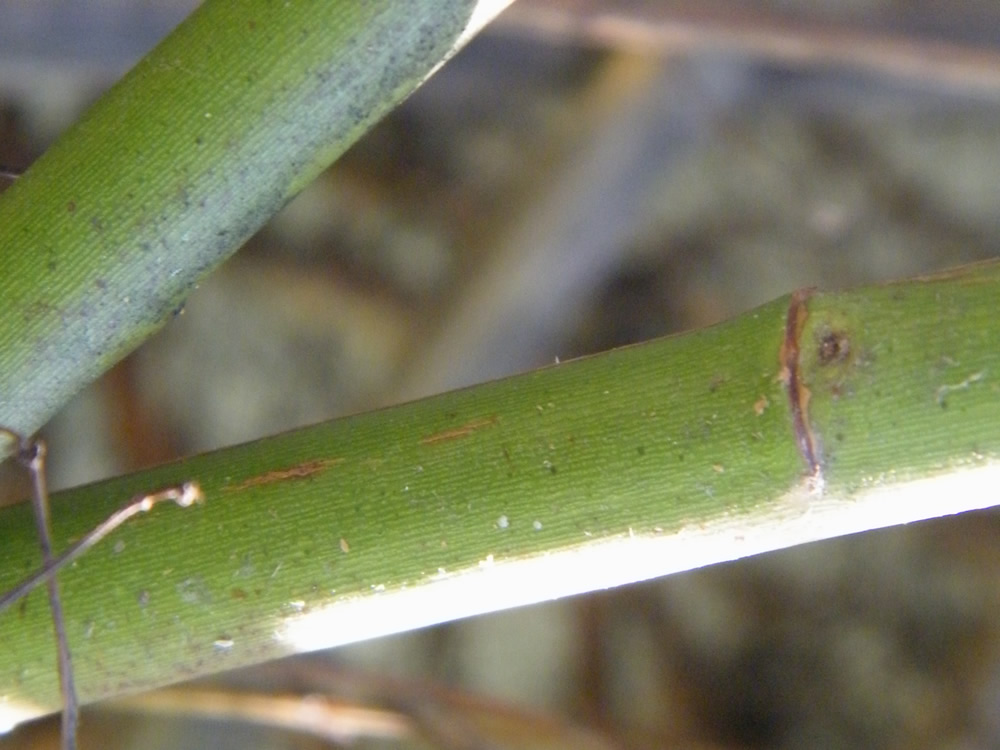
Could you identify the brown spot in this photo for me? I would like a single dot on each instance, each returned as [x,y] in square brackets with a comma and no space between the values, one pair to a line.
[833,347]
[760,405]
[71,206]
[460,432]
[798,394]
[238,594]
[299,471]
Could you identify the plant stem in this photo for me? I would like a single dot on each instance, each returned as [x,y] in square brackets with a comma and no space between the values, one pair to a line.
[181,161]
[615,468]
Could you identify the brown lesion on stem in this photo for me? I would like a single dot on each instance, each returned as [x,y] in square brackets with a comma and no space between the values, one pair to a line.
[834,346]
[460,432]
[299,471]
[798,393]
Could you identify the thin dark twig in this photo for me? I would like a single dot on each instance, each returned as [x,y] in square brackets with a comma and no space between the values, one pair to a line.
[31,454]
[184,495]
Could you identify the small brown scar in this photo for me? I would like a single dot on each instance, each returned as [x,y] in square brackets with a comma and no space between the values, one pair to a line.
[460,432]
[833,347]
[299,471]
[760,405]
[798,394]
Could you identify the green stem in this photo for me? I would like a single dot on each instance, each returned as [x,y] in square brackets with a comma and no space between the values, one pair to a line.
[635,463]
[181,161]
[643,461]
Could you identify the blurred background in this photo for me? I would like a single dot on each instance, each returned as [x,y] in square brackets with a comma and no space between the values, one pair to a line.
[586,174]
